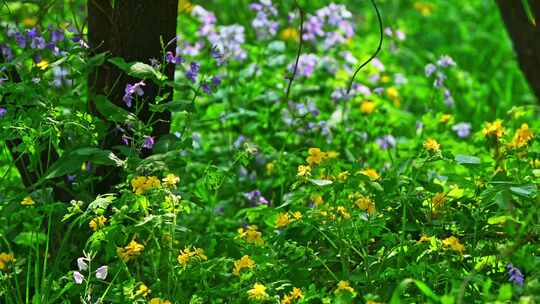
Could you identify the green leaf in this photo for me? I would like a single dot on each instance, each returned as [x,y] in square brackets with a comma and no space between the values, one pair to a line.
[172,106]
[138,69]
[113,112]
[420,285]
[496,220]
[321,182]
[71,161]
[30,239]
[467,159]
[528,191]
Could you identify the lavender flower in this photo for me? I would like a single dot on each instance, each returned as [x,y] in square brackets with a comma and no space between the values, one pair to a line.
[263,25]
[6,51]
[385,142]
[256,198]
[60,77]
[228,40]
[101,272]
[306,65]
[57,35]
[239,141]
[206,88]
[32,33]
[132,89]
[462,129]
[446,61]
[193,72]
[20,39]
[81,264]
[78,277]
[430,69]
[170,57]
[515,275]
[336,18]
[38,43]
[3,112]
[148,142]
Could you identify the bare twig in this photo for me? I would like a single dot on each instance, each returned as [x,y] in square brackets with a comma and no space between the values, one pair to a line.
[291,78]
[376,52]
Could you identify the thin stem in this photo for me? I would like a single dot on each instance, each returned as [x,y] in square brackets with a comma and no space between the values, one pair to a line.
[301,37]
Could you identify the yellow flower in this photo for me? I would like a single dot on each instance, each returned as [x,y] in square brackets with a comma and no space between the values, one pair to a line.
[432,145]
[522,137]
[289,34]
[445,118]
[424,238]
[142,291]
[270,168]
[159,301]
[454,244]
[27,201]
[331,154]
[342,176]
[371,173]
[133,249]
[6,258]
[385,79]
[493,129]
[316,156]
[438,200]
[258,292]
[367,107]
[344,286]
[304,170]
[43,64]
[343,212]
[171,180]
[426,9]
[317,199]
[29,21]
[243,262]
[142,184]
[393,94]
[98,222]
[185,6]
[297,215]
[283,220]
[251,235]
[366,204]
[295,294]
[185,255]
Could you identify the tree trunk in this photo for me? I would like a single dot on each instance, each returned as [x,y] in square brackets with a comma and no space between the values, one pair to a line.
[526,38]
[133,30]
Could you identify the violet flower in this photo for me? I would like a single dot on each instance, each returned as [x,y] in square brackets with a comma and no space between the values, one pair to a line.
[132,89]
[462,129]
[78,277]
[148,142]
[101,272]
[515,275]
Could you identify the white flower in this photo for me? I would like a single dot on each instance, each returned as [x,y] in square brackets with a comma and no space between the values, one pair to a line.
[78,277]
[81,263]
[101,272]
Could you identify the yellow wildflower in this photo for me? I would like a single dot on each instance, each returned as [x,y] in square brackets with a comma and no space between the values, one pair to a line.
[331,155]
[393,94]
[270,168]
[522,137]
[142,184]
[297,215]
[366,204]
[371,173]
[171,180]
[343,212]
[304,170]
[295,294]
[424,238]
[251,235]
[98,222]
[243,262]
[432,145]
[185,6]
[344,286]
[445,118]
[317,199]
[133,249]
[283,220]
[424,8]
[367,107]
[454,244]
[27,201]
[29,21]
[438,200]
[289,34]
[6,258]
[142,291]
[342,176]
[258,292]
[385,79]
[185,255]
[43,64]
[316,156]
[159,301]
[493,129]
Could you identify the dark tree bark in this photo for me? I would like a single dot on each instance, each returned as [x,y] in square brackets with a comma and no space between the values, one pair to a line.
[526,38]
[133,30]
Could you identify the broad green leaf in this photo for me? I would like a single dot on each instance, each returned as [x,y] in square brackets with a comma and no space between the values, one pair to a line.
[113,112]
[71,161]
[30,239]
[321,182]
[525,190]
[467,159]
[138,69]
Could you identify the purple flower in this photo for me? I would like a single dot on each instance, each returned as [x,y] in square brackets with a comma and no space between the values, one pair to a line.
[385,142]
[264,26]
[101,272]
[6,52]
[448,99]
[206,88]
[61,77]
[462,129]
[217,55]
[228,41]
[20,39]
[439,81]
[125,140]
[174,59]
[78,277]
[148,142]
[193,72]
[32,33]
[515,275]
[38,43]
[88,167]
[57,35]
[71,178]
[3,112]
[132,89]
[445,61]
[216,81]
[430,69]
[239,141]
[306,65]
[256,198]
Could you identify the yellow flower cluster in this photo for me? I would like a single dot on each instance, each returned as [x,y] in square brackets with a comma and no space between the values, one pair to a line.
[27,201]
[6,258]
[187,254]
[257,292]
[159,301]
[367,107]
[453,243]
[284,219]
[295,294]
[142,291]
[522,137]
[289,34]
[316,156]
[171,180]
[431,145]
[304,170]
[98,222]
[132,250]
[251,235]
[142,184]
[363,202]
[43,65]
[393,94]
[344,286]
[493,129]
[343,212]
[317,199]
[243,262]
[371,173]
